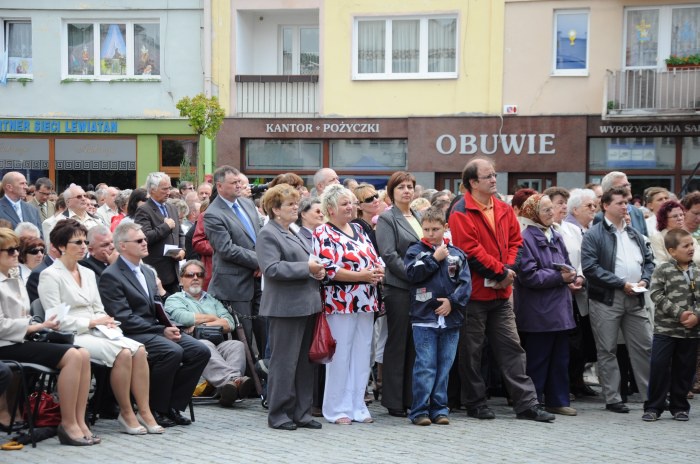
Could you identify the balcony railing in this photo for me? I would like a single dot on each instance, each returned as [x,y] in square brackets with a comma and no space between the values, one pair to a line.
[652,92]
[276,95]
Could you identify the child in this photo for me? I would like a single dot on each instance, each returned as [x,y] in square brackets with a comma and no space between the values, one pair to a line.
[440,289]
[675,289]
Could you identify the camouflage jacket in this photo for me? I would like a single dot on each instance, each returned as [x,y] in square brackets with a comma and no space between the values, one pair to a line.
[671,293]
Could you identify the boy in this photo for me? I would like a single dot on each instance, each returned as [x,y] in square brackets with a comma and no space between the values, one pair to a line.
[675,289]
[440,289]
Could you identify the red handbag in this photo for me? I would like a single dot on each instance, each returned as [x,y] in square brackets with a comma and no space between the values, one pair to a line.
[49,412]
[323,344]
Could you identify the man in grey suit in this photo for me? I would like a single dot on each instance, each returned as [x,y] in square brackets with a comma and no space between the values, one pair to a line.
[46,208]
[12,207]
[231,225]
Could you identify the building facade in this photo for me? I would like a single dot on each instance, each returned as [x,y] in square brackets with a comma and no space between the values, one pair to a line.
[91,88]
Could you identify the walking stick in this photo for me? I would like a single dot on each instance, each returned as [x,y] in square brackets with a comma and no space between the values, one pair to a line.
[240,332]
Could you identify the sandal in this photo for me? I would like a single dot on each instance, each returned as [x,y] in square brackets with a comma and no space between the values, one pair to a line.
[12,445]
[367,420]
[343,421]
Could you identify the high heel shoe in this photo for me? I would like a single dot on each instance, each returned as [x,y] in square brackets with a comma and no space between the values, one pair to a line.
[65,439]
[149,428]
[131,430]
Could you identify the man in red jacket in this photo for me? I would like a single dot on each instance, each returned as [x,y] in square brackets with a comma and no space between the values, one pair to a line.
[487,230]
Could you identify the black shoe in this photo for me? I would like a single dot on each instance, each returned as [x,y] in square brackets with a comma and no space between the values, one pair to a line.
[481,412]
[228,394]
[287,426]
[618,407]
[535,413]
[397,412]
[312,424]
[178,418]
[163,420]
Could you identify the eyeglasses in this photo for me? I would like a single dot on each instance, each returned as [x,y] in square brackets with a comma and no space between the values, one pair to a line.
[35,251]
[677,216]
[186,188]
[590,205]
[489,177]
[80,197]
[79,242]
[371,199]
[190,275]
[93,204]
[10,251]
[138,240]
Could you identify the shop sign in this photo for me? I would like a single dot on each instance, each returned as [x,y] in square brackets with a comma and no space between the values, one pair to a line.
[324,128]
[48,126]
[637,129]
[489,144]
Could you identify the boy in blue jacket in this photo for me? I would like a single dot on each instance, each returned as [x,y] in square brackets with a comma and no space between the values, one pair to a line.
[440,288]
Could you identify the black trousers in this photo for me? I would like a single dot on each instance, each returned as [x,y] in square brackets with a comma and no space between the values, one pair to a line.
[672,371]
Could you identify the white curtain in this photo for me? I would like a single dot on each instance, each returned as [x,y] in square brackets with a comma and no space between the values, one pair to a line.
[642,37]
[405,52]
[80,49]
[684,31]
[19,48]
[442,43]
[371,44]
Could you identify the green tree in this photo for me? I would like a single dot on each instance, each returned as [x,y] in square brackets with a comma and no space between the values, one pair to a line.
[205,118]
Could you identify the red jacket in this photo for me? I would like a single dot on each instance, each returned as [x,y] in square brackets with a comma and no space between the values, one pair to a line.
[489,254]
[201,246]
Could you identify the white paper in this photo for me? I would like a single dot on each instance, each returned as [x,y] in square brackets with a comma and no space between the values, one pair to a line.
[111,333]
[637,289]
[59,311]
[489,283]
[171,250]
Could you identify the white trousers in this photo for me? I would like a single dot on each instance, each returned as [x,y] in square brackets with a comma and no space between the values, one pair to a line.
[347,374]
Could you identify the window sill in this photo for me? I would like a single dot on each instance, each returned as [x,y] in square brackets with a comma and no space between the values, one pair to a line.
[21,79]
[89,79]
[404,77]
[583,73]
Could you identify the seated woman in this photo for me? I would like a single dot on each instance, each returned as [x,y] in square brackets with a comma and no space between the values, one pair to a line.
[31,253]
[65,281]
[74,363]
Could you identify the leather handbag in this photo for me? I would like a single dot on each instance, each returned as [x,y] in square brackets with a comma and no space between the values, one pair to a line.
[323,344]
[48,412]
[53,336]
[214,334]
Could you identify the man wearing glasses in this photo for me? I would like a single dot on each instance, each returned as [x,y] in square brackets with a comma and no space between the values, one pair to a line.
[77,207]
[43,190]
[130,293]
[487,230]
[12,207]
[193,306]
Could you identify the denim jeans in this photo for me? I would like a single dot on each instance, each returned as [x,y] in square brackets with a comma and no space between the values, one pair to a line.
[435,353]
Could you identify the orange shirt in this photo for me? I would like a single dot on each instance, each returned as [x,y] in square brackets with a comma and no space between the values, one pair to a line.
[487,211]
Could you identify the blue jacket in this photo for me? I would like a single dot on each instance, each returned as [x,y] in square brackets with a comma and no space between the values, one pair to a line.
[430,279]
[542,300]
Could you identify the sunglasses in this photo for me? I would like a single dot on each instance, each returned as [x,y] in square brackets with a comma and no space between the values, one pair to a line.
[10,251]
[371,199]
[139,241]
[35,251]
[190,275]
[81,196]
[79,242]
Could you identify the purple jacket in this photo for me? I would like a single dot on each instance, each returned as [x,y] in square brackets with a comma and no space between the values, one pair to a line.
[542,300]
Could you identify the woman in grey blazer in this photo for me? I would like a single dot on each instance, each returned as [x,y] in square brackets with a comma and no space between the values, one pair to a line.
[397,229]
[290,301]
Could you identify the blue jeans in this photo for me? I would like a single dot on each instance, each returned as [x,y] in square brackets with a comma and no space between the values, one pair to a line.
[435,353]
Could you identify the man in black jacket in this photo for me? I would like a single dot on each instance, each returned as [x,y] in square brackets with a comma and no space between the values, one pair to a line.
[618,265]
[101,249]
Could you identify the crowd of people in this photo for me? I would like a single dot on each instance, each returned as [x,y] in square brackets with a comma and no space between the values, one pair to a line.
[424,292]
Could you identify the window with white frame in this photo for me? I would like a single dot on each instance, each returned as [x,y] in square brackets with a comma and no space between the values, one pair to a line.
[570,43]
[653,34]
[16,43]
[113,49]
[405,47]
[299,50]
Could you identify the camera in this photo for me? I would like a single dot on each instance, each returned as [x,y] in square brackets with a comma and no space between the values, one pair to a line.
[257,189]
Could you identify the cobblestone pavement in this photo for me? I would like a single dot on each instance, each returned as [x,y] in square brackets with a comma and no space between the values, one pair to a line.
[241,435]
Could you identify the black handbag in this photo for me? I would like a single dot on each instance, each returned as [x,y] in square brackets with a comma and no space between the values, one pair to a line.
[53,336]
[214,334]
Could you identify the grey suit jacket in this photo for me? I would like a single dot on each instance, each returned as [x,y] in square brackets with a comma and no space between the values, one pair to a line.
[29,213]
[158,235]
[284,260]
[234,260]
[124,299]
[50,209]
[394,236]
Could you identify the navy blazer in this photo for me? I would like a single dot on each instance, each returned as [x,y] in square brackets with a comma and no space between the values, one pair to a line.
[29,213]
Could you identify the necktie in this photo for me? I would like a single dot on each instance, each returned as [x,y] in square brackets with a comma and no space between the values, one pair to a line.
[142,279]
[18,209]
[44,212]
[244,219]
[163,210]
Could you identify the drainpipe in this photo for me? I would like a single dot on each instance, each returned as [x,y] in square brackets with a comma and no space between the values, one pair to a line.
[206,39]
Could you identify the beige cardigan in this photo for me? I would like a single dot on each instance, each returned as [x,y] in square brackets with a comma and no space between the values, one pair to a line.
[14,311]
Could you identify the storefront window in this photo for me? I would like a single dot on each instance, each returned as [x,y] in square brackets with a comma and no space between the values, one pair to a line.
[632,153]
[691,152]
[91,161]
[28,156]
[284,154]
[369,155]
